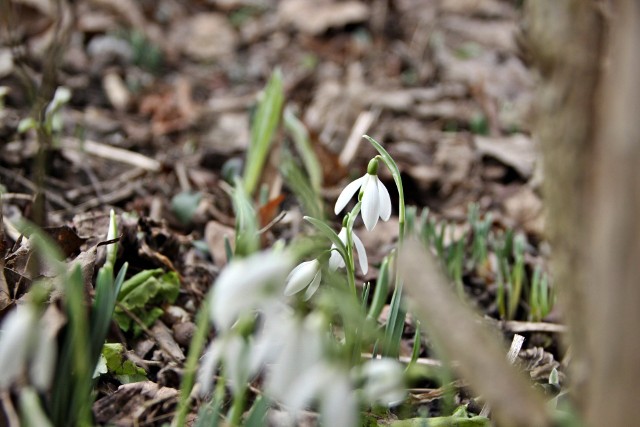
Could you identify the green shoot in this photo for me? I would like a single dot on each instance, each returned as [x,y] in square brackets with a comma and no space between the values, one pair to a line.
[262,130]
[301,141]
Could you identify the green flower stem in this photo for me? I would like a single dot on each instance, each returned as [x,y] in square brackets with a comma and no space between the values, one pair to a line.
[237,408]
[350,262]
[351,336]
[191,366]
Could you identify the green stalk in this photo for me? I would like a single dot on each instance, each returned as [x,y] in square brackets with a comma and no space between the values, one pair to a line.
[237,408]
[191,366]
[350,262]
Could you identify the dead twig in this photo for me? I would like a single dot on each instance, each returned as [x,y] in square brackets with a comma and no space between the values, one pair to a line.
[112,153]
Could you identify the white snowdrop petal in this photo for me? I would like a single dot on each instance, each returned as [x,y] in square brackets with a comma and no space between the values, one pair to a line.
[335,260]
[208,367]
[347,193]
[298,374]
[339,407]
[370,204]
[14,342]
[255,277]
[237,353]
[313,287]
[384,382]
[362,253]
[385,201]
[44,360]
[305,387]
[301,277]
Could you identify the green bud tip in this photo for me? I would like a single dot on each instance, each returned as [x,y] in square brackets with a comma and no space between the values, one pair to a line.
[372,168]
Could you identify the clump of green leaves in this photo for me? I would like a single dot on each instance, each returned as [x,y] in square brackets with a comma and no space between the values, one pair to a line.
[115,362]
[472,253]
[143,295]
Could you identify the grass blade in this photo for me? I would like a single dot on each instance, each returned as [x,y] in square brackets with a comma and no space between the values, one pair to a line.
[264,125]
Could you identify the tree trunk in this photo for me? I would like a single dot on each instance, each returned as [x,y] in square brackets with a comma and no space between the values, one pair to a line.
[588,104]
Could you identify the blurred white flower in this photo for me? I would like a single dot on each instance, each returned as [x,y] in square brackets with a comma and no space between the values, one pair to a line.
[44,354]
[17,334]
[376,202]
[332,388]
[383,382]
[232,351]
[306,275]
[298,372]
[26,340]
[336,261]
[296,346]
[246,285]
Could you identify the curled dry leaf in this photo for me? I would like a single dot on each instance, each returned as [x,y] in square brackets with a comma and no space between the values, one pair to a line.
[525,208]
[215,235]
[517,151]
[205,37]
[315,17]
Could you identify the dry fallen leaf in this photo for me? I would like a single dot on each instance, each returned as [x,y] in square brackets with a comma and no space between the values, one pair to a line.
[205,37]
[317,16]
[517,151]
[525,208]
[215,235]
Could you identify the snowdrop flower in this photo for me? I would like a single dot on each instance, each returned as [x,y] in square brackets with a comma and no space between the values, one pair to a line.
[376,202]
[234,353]
[332,388]
[383,381]
[300,347]
[336,261]
[246,285]
[306,275]
[26,339]
[299,373]
[15,342]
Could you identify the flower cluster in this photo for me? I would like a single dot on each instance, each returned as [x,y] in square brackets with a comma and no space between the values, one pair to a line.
[291,351]
[296,354]
[375,204]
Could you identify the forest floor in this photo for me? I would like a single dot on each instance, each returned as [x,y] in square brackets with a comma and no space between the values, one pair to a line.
[162,95]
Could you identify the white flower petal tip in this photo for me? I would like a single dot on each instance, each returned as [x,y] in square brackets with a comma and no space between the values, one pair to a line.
[362,254]
[385,202]
[246,285]
[384,382]
[348,193]
[371,204]
[336,261]
[15,339]
[305,275]
[376,202]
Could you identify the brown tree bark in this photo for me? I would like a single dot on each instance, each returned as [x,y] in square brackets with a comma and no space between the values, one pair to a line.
[589,104]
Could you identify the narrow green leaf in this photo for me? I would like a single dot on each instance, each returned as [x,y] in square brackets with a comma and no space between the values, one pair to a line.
[31,411]
[258,413]
[264,125]
[301,187]
[191,365]
[301,140]
[395,324]
[381,290]
[329,233]
[247,237]
[415,352]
